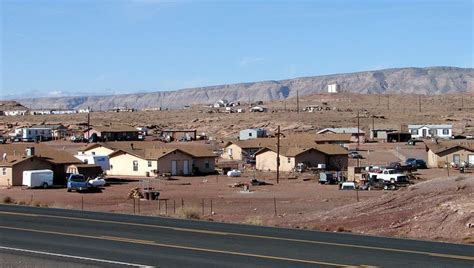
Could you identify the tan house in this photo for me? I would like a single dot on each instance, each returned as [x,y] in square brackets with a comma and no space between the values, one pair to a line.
[242,149]
[441,153]
[11,169]
[152,158]
[23,156]
[113,133]
[333,156]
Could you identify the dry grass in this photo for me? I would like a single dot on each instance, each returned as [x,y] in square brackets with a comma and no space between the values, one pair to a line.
[253,220]
[188,213]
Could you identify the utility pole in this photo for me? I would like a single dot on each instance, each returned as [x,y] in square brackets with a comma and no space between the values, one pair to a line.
[88,124]
[419,103]
[373,126]
[462,102]
[285,104]
[278,155]
[297,102]
[358,130]
[388,102]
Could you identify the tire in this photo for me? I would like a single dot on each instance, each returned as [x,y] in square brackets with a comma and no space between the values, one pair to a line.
[45,185]
[385,187]
[69,190]
[393,187]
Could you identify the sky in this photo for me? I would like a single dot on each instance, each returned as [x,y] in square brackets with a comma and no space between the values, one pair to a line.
[102,47]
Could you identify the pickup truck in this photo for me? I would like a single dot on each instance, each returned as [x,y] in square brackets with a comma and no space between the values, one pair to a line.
[389,175]
[77,182]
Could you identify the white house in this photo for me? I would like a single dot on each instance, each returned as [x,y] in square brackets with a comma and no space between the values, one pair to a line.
[334,88]
[431,131]
[14,112]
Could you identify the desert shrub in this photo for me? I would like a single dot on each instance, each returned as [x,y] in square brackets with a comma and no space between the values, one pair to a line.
[7,200]
[188,213]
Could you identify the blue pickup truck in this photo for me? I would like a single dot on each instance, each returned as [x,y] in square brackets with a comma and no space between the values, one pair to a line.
[77,182]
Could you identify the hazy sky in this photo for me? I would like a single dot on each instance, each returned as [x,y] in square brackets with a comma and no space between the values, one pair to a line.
[54,48]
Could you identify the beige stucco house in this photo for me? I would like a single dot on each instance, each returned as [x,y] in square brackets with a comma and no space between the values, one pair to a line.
[450,152]
[27,156]
[333,156]
[153,158]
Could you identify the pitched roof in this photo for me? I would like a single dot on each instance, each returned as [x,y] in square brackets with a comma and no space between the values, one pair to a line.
[42,151]
[115,128]
[300,139]
[443,146]
[12,160]
[156,149]
[430,126]
[292,151]
[351,130]
[53,127]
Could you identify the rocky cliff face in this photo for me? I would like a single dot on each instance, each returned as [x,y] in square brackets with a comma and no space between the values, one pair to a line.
[431,80]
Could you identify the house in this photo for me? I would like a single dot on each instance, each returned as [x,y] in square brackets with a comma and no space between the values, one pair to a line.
[258,109]
[113,133]
[39,156]
[35,133]
[252,133]
[334,88]
[356,134]
[431,131]
[380,133]
[63,112]
[147,158]
[57,131]
[221,103]
[15,112]
[246,149]
[442,152]
[40,112]
[178,135]
[333,156]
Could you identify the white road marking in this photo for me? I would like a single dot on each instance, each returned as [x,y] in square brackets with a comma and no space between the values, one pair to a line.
[76,257]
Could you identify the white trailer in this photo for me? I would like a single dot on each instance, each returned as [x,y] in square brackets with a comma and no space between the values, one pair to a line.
[37,133]
[100,160]
[38,178]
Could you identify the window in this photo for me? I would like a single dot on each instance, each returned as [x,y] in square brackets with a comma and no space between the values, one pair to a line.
[135,165]
[445,131]
[250,134]
[289,160]
[206,164]
[111,166]
[149,163]
[414,132]
[4,171]
[456,158]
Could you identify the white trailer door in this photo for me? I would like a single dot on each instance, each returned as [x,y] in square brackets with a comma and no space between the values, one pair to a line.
[173,168]
[186,167]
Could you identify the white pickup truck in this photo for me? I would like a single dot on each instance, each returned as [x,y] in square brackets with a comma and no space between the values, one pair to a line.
[389,175]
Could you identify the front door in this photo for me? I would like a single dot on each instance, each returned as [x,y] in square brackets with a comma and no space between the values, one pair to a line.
[173,168]
[457,159]
[186,167]
[423,131]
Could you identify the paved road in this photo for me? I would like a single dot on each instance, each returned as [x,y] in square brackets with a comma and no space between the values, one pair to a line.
[117,240]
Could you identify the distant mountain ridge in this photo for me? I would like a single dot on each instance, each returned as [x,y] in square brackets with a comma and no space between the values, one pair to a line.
[429,80]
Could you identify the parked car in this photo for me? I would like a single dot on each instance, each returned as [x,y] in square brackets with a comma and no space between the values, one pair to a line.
[348,185]
[97,182]
[2,140]
[234,173]
[413,142]
[417,163]
[355,155]
[77,182]
[389,175]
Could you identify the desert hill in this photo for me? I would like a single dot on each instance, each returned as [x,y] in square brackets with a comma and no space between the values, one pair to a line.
[429,81]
